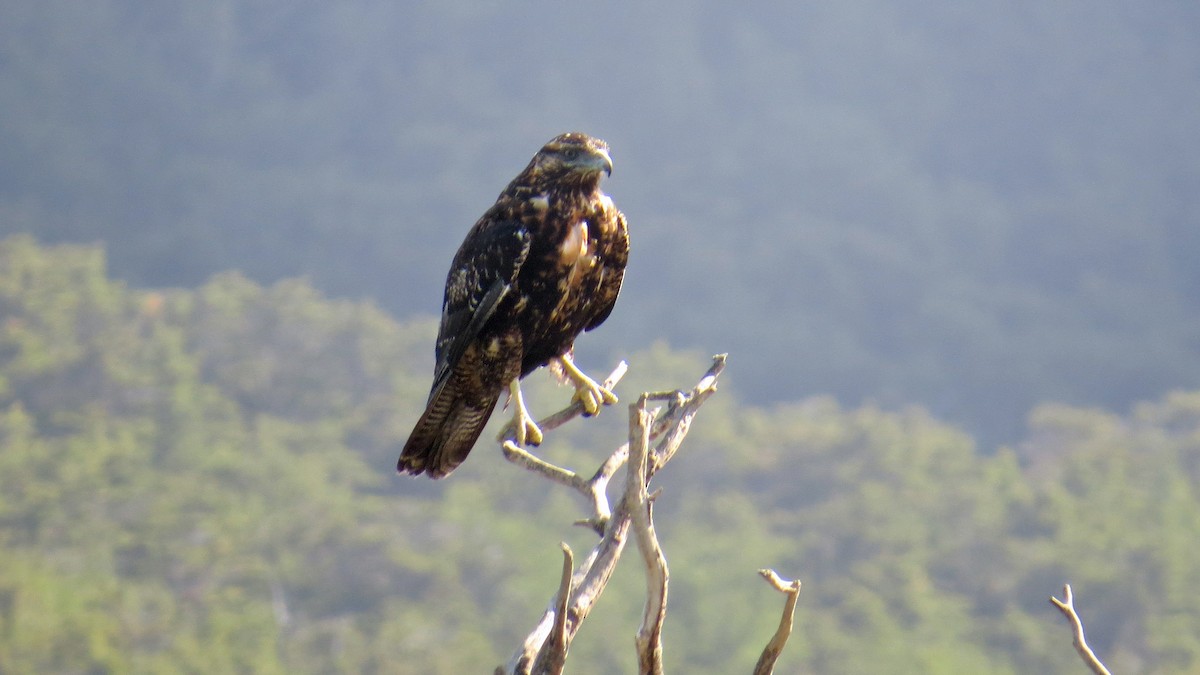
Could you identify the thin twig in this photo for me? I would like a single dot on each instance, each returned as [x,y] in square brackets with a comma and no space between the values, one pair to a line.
[687,407]
[1067,607]
[766,662]
[518,455]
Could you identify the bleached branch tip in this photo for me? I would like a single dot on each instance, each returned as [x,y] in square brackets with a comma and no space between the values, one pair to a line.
[770,653]
[553,657]
[1067,607]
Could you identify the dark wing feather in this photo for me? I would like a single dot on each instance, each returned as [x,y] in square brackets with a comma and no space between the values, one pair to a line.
[481,277]
[461,328]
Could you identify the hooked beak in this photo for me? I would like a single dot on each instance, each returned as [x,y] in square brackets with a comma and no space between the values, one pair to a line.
[599,160]
[607,162]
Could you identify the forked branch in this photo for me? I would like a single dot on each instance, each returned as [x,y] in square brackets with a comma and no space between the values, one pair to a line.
[594,489]
[1067,607]
[658,435]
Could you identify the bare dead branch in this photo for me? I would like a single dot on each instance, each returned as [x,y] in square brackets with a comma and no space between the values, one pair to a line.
[770,653]
[554,659]
[1067,607]
[686,407]
[518,455]
[587,583]
[593,490]
[649,634]
[592,574]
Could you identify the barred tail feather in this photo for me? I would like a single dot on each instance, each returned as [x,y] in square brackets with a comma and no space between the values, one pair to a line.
[444,435]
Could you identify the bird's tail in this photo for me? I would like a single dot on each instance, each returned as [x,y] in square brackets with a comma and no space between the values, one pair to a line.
[444,435]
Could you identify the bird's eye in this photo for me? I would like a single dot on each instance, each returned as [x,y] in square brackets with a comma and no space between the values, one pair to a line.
[570,153]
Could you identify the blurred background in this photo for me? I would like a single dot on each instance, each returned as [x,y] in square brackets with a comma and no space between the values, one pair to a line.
[970,208]
[980,218]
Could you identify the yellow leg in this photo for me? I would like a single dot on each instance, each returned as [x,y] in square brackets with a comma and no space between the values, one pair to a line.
[524,428]
[587,391]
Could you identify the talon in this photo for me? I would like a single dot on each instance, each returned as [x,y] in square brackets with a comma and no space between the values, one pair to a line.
[589,394]
[588,399]
[523,428]
[532,433]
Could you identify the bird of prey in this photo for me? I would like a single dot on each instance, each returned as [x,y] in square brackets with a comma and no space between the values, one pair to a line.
[542,265]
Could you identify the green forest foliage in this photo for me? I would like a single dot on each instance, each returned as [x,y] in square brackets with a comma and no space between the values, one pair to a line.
[201,481]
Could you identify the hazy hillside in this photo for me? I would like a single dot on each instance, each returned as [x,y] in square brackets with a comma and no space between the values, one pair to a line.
[201,481]
[970,207]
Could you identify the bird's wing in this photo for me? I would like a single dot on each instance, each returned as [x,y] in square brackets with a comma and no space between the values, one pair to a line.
[482,276]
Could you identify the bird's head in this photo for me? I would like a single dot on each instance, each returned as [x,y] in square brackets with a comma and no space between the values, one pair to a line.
[572,157]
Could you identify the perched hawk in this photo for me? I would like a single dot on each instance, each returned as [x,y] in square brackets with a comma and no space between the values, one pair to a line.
[541,266]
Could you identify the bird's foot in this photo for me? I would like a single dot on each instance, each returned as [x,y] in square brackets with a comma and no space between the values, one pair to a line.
[526,430]
[589,394]
[592,397]
[522,428]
